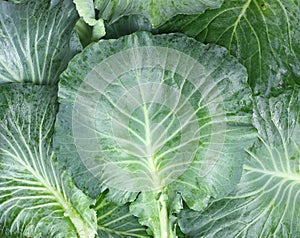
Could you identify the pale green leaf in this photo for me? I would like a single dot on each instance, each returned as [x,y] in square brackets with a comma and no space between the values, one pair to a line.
[98,30]
[86,10]
[266,201]
[37,199]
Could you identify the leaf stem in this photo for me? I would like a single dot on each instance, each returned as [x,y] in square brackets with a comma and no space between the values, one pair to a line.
[166,230]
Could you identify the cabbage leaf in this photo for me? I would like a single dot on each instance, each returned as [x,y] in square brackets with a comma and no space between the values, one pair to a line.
[164,115]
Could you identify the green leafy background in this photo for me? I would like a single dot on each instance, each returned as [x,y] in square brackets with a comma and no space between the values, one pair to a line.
[49,193]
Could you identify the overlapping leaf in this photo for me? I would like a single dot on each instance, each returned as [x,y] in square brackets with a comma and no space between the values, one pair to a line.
[158,11]
[37,199]
[116,221]
[263,35]
[36,40]
[87,13]
[266,201]
[128,25]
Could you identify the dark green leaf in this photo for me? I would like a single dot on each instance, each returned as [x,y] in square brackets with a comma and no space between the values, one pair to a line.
[127,25]
[263,35]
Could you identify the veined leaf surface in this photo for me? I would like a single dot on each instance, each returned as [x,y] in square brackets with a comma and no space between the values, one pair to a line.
[37,199]
[266,201]
[263,35]
[36,40]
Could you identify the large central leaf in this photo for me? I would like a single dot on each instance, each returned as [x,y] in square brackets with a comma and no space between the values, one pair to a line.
[263,35]
[142,111]
[266,201]
[35,40]
[37,199]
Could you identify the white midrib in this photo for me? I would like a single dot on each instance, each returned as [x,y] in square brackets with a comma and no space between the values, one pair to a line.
[76,219]
[243,12]
[278,174]
[244,9]
[161,204]
[80,226]
[82,229]
[149,149]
